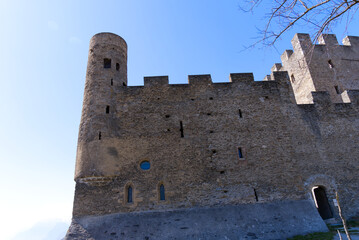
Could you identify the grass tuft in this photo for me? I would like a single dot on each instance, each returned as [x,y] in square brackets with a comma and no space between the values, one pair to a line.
[314,236]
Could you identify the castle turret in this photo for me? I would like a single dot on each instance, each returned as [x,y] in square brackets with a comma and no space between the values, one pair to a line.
[326,66]
[106,71]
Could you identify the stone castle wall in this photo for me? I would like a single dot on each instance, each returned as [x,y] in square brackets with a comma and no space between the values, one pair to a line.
[191,135]
[326,66]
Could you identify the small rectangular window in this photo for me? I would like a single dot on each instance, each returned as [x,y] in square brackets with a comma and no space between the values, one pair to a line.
[111,82]
[117,66]
[107,63]
[240,113]
[240,154]
[107,109]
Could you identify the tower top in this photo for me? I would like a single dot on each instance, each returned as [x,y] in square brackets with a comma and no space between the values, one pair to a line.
[108,38]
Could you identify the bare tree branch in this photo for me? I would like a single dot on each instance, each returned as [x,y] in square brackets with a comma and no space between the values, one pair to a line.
[321,15]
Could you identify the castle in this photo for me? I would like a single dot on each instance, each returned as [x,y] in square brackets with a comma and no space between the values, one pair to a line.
[242,159]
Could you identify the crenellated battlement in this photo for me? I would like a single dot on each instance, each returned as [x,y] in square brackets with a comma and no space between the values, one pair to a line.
[326,66]
[204,79]
[162,147]
[248,85]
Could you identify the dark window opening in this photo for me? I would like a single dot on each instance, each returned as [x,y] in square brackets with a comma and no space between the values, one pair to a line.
[337,89]
[111,82]
[192,99]
[211,98]
[266,97]
[292,78]
[162,192]
[167,116]
[331,65]
[181,129]
[145,165]
[129,194]
[240,113]
[107,109]
[124,84]
[107,63]
[240,154]
[255,194]
[211,131]
[222,172]
[209,114]
[99,136]
[321,202]
[117,66]
[214,151]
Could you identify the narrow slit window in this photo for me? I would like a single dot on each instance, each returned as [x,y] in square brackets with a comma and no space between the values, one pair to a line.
[111,82]
[239,113]
[240,154]
[107,63]
[107,109]
[255,194]
[181,129]
[124,84]
[162,192]
[99,136]
[337,89]
[292,78]
[129,194]
[117,66]
[331,65]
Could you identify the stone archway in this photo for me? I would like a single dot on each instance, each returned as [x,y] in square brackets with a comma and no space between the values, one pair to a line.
[321,202]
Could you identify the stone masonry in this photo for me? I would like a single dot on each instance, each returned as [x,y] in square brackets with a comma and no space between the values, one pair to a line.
[241,144]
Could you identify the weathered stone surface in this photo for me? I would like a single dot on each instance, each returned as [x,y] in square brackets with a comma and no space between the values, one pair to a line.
[326,66]
[292,136]
[276,220]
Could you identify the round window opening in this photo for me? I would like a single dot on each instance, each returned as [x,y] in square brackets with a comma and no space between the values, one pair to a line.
[145,165]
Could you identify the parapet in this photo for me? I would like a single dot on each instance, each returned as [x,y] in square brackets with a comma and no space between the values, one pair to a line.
[155,81]
[241,77]
[302,43]
[200,79]
[353,96]
[321,97]
[206,80]
[328,39]
[107,38]
[351,40]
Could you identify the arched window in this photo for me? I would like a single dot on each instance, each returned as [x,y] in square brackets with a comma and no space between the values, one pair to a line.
[129,194]
[162,192]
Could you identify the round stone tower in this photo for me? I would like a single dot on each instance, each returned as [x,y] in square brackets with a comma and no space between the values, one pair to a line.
[106,72]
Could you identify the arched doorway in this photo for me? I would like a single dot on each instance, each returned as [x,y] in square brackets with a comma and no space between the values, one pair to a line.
[321,202]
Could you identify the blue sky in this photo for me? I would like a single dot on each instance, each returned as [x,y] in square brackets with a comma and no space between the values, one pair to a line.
[43,57]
